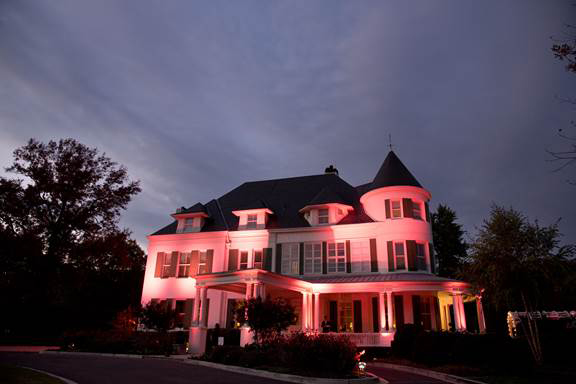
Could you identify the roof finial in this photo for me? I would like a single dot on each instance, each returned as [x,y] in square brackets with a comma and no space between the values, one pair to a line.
[390,140]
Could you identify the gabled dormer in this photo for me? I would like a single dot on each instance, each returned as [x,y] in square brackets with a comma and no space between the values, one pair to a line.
[253,216]
[190,219]
[326,208]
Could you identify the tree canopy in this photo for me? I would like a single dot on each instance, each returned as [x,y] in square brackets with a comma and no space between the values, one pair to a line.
[449,245]
[266,318]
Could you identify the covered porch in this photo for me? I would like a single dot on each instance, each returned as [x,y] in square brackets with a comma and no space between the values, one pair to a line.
[366,308]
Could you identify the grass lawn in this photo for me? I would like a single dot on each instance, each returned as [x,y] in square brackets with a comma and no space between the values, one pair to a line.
[16,375]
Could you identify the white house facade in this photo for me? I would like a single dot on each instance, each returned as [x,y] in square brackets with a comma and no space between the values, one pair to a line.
[358,259]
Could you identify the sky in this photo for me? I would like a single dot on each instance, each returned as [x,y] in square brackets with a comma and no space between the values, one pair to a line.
[197,97]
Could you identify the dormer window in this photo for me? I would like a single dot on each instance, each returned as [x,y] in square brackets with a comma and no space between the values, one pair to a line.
[252,221]
[189,224]
[323,217]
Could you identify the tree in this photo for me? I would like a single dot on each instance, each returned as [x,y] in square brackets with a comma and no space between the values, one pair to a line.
[517,262]
[158,316]
[61,250]
[266,318]
[449,247]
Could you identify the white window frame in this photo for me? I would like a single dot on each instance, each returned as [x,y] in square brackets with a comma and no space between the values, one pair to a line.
[167,264]
[290,259]
[258,264]
[394,210]
[202,262]
[421,258]
[184,267]
[313,258]
[323,219]
[240,262]
[336,260]
[360,256]
[252,221]
[403,257]
[416,208]
[189,224]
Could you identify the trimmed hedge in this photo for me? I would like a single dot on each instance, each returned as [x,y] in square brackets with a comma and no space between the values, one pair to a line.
[309,355]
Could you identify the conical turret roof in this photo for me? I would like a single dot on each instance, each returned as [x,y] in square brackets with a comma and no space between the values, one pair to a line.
[393,173]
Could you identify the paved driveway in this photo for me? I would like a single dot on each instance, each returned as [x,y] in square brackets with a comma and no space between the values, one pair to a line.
[400,377]
[110,370]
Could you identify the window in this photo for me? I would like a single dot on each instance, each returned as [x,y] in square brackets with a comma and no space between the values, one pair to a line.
[290,258]
[166,265]
[396,209]
[346,324]
[244,260]
[258,259]
[180,311]
[252,221]
[360,256]
[420,256]
[340,213]
[313,258]
[323,216]
[400,256]
[188,225]
[336,257]
[184,264]
[416,212]
[202,262]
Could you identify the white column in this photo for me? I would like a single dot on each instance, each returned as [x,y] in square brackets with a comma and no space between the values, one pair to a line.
[480,311]
[408,310]
[304,312]
[249,291]
[389,310]
[456,297]
[204,307]
[258,290]
[382,311]
[310,310]
[196,307]
[462,312]
[317,311]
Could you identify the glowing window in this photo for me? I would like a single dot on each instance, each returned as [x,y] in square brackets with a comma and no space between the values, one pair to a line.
[400,256]
[336,257]
[258,259]
[290,258]
[188,225]
[313,258]
[416,212]
[252,221]
[184,264]
[396,209]
[323,216]
[244,260]
[421,256]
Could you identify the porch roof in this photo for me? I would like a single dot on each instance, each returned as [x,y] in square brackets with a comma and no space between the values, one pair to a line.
[377,277]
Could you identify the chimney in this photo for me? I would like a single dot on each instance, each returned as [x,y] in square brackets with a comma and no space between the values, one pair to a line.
[331,170]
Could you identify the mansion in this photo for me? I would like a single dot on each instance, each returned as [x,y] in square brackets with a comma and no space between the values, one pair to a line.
[357,258]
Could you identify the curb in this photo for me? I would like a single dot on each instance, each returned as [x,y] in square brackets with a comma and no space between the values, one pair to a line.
[428,373]
[65,380]
[124,355]
[285,376]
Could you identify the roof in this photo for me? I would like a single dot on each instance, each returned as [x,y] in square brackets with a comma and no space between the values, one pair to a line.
[196,208]
[284,197]
[325,196]
[376,278]
[392,172]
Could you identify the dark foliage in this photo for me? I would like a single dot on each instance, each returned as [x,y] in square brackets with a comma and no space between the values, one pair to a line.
[309,355]
[158,316]
[62,255]
[449,246]
[266,318]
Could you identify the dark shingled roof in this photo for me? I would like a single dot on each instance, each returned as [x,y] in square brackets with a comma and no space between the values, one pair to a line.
[284,197]
[196,208]
[325,196]
[393,172]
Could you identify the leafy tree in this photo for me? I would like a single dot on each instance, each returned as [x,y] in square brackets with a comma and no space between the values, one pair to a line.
[517,263]
[61,251]
[449,246]
[266,318]
[158,316]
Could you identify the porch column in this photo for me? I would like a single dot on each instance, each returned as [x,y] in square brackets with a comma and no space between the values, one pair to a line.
[480,311]
[408,310]
[204,307]
[462,312]
[304,312]
[382,311]
[459,319]
[196,307]
[249,287]
[317,311]
[258,290]
[310,310]
[389,310]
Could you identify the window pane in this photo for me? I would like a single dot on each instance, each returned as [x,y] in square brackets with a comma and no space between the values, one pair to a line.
[399,248]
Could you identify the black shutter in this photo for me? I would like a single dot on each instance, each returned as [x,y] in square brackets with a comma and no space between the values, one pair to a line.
[357,316]
[267,254]
[348,262]
[387,205]
[411,251]
[194,257]
[324,257]
[407,207]
[432,259]
[375,314]
[427,209]
[416,310]
[232,260]
[209,260]
[390,256]
[301,259]
[373,256]
[188,308]
[278,258]
[159,264]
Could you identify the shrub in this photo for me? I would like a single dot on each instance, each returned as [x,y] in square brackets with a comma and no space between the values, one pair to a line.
[266,318]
